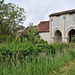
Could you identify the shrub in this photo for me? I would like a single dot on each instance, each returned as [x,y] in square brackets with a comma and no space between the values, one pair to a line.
[20,50]
[73,40]
[41,41]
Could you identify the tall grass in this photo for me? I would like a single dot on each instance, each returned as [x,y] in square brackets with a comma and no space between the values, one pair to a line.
[25,58]
[43,64]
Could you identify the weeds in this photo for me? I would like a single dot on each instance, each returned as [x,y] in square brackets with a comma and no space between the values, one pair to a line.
[23,58]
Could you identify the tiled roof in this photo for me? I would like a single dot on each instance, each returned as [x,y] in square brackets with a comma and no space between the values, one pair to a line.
[64,12]
[43,27]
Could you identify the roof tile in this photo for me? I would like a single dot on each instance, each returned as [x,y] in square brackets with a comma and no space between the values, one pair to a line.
[43,27]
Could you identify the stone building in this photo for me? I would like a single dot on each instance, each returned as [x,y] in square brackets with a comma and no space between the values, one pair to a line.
[43,30]
[59,28]
[62,26]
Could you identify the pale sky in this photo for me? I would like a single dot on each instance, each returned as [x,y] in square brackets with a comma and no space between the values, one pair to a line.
[39,10]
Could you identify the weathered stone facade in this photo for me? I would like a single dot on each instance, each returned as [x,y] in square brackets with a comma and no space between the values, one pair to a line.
[59,28]
[62,27]
[45,36]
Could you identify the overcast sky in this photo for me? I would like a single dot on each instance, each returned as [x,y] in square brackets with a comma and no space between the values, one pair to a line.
[38,10]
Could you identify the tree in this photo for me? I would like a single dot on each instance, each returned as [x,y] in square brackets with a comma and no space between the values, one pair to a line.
[32,34]
[11,16]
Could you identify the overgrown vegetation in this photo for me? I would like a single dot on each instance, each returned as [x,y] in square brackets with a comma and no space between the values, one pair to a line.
[25,58]
[33,56]
[32,34]
[67,69]
[28,57]
[73,40]
[28,54]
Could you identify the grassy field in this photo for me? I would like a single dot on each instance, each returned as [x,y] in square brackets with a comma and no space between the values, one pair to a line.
[67,69]
[44,63]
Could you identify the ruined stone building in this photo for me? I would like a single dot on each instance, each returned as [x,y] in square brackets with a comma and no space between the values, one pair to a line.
[59,28]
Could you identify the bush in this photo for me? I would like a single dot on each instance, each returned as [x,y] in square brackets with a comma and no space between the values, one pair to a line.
[73,40]
[20,50]
[41,41]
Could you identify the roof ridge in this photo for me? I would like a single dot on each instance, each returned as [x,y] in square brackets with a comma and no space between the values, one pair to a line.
[63,12]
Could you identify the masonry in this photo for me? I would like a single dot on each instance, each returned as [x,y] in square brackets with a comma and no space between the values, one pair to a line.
[59,28]
[62,26]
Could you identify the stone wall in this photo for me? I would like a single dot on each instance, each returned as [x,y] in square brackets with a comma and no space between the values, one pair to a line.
[64,23]
[45,36]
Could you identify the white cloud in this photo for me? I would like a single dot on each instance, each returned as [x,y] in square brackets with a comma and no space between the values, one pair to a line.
[38,10]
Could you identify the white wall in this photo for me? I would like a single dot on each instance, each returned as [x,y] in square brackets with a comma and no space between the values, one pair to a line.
[45,36]
[63,23]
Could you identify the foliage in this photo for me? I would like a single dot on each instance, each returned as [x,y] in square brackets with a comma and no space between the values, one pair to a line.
[41,41]
[11,16]
[32,34]
[52,48]
[26,48]
[73,40]
[13,61]
[20,36]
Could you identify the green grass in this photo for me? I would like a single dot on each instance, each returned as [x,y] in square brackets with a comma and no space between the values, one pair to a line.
[41,65]
[71,70]
[67,69]
[44,63]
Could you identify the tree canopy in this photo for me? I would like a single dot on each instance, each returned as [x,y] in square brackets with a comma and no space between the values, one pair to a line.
[11,16]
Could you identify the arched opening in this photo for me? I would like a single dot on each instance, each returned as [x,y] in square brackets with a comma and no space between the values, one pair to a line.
[71,35]
[57,36]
